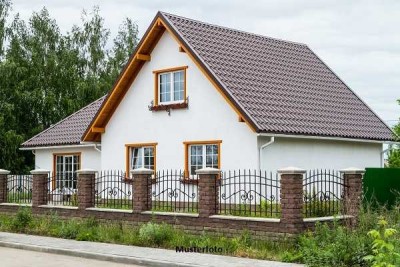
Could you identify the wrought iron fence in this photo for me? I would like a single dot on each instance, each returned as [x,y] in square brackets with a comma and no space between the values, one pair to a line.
[323,192]
[249,193]
[19,189]
[62,189]
[172,192]
[113,190]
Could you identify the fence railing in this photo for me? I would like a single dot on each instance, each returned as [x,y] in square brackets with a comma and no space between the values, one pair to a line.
[170,192]
[323,193]
[19,189]
[249,193]
[113,190]
[62,189]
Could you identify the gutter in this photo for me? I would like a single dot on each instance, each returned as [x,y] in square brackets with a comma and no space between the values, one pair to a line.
[329,138]
[270,142]
[57,147]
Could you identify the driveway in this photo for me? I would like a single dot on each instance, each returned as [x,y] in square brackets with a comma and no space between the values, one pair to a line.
[11,257]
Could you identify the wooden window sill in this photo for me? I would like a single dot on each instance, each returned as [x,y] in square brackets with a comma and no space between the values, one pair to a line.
[169,106]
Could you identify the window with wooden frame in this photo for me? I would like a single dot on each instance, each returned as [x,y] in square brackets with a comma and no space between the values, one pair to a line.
[201,154]
[170,86]
[141,155]
[64,170]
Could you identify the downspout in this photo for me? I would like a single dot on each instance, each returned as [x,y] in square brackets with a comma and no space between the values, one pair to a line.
[270,142]
[96,146]
[383,157]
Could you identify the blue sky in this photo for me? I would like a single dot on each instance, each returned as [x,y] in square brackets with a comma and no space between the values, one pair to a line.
[359,40]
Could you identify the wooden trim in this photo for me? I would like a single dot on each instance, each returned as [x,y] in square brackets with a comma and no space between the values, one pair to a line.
[156,84]
[143,57]
[181,49]
[53,182]
[148,42]
[240,119]
[155,89]
[127,150]
[170,69]
[98,130]
[208,142]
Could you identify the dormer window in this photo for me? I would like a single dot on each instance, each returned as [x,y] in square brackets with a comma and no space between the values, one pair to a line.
[170,86]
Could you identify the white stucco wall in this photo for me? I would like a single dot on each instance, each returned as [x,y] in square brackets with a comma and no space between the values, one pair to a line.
[209,117]
[317,154]
[90,158]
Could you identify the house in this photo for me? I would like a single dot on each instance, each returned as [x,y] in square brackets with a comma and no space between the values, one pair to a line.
[197,95]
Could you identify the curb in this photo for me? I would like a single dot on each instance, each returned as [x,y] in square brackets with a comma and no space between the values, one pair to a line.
[96,256]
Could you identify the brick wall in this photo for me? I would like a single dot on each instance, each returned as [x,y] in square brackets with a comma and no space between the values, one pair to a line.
[290,224]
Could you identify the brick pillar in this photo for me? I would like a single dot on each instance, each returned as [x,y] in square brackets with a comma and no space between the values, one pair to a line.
[39,188]
[352,178]
[86,187]
[292,199]
[141,185]
[208,191]
[3,185]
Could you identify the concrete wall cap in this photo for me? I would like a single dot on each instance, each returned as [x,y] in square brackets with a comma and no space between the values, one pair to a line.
[352,170]
[40,171]
[208,170]
[86,171]
[142,171]
[291,170]
[4,172]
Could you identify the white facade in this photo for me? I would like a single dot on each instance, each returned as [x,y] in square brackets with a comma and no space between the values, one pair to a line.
[312,154]
[209,117]
[90,157]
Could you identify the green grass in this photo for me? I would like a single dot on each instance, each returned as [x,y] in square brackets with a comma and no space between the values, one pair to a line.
[331,244]
[149,234]
[19,197]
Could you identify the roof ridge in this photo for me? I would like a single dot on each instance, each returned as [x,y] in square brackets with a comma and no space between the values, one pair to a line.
[59,122]
[235,30]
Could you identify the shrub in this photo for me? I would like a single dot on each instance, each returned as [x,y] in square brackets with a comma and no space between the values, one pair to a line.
[333,246]
[22,219]
[383,248]
[155,234]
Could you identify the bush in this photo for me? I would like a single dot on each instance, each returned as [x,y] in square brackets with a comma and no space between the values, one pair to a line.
[333,246]
[22,219]
[155,234]
[383,246]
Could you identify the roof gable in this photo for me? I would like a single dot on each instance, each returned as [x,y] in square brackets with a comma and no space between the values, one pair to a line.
[276,86]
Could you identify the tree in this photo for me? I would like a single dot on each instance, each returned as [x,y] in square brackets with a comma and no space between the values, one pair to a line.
[394,150]
[47,75]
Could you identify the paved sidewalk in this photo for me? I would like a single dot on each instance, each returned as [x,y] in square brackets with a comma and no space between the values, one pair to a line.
[127,254]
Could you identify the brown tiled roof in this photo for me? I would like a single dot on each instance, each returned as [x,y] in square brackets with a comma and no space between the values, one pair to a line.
[278,86]
[68,131]
[283,87]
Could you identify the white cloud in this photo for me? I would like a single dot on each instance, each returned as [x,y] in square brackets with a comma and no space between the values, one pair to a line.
[359,40]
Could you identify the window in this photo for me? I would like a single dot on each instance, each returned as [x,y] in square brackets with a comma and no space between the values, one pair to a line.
[141,156]
[201,155]
[170,86]
[65,167]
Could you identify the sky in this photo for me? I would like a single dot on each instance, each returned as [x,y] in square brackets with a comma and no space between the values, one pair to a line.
[358,39]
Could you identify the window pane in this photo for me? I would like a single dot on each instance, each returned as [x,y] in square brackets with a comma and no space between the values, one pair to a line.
[212,156]
[178,85]
[195,158]
[165,87]
[136,158]
[149,158]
